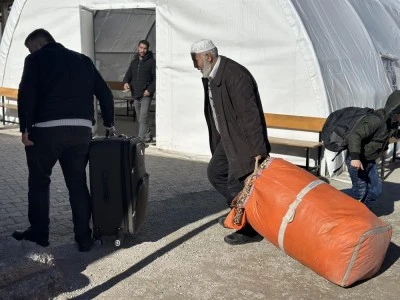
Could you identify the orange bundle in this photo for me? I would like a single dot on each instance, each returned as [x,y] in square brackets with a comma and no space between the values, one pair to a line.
[322,228]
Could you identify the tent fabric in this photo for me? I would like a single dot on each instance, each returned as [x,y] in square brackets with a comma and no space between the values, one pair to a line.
[308,57]
[381,27]
[351,67]
[8,34]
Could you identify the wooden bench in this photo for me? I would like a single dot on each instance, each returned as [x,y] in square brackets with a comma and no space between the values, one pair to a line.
[297,123]
[6,95]
[119,86]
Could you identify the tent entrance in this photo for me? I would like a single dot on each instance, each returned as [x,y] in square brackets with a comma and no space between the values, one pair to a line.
[117,33]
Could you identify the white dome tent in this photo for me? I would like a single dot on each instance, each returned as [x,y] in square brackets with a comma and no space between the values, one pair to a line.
[309,57]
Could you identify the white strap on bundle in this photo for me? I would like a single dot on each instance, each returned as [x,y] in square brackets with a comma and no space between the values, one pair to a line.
[289,216]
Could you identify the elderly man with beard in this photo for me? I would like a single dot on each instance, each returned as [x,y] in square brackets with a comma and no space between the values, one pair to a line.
[236,126]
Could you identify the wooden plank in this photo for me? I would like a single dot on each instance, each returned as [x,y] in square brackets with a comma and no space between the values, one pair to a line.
[301,123]
[10,106]
[9,93]
[294,143]
[116,85]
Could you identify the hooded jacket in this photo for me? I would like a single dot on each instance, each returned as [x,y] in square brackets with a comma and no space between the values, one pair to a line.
[141,75]
[369,138]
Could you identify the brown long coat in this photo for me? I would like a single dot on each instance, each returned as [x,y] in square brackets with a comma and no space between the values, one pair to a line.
[240,116]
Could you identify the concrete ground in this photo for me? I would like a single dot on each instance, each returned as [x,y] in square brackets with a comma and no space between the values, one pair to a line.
[178,254]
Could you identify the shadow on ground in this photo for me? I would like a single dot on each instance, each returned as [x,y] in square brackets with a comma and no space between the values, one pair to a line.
[392,256]
[390,195]
[385,204]
[164,217]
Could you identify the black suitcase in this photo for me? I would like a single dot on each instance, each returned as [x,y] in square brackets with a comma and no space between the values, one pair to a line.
[119,186]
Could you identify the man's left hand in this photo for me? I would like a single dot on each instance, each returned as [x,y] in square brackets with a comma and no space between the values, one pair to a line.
[146,93]
[25,139]
[261,156]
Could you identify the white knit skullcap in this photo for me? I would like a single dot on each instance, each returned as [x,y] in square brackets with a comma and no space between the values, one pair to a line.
[202,46]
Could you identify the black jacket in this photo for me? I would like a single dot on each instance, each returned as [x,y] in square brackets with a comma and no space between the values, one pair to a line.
[58,83]
[141,75]
[369,138]
[240,116]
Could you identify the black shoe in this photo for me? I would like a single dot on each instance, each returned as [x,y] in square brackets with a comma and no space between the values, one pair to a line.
[85,246]
[29,235]
[238,238]
[221,221]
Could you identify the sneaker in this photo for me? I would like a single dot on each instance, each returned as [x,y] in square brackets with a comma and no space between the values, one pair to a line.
[30,235]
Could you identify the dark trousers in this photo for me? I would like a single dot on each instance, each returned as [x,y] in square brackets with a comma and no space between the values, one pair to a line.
[70,146]
[224,181]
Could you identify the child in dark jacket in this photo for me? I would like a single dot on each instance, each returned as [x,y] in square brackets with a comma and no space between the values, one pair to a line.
[366,144]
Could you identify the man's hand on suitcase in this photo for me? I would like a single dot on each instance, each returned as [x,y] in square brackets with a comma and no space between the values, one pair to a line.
[110,131]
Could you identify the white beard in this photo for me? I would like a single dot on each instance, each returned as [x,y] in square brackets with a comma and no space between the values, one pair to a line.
[207,68]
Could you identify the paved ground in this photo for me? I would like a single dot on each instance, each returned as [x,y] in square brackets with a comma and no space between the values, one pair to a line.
[179,253]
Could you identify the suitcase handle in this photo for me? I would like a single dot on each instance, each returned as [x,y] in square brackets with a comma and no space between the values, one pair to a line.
[108,135]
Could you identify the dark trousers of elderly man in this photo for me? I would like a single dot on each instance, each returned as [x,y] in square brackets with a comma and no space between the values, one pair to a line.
[223,180]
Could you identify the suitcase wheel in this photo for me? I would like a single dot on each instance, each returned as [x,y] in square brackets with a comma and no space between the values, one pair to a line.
[97,237]
[98,241]
[119,237]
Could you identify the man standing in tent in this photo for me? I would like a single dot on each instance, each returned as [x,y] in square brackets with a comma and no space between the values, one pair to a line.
[56,114]
[236,126]
[141,80]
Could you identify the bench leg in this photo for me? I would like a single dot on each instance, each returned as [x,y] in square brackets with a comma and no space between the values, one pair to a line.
[394,152]
[319,160]
[307,158]
[4,111]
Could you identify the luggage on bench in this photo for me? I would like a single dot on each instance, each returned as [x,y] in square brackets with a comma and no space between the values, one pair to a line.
[119,186]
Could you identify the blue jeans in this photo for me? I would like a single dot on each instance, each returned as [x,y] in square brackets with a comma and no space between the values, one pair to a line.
[69,145]
[142,113]
[367,185]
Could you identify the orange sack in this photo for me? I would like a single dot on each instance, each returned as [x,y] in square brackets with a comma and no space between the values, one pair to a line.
[334,235]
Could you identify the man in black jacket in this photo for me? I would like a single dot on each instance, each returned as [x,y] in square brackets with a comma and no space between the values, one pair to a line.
[56,114]
[236,126]
[141,80]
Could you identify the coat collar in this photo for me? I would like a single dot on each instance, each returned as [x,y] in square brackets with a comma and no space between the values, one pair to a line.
[218,77]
